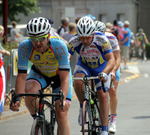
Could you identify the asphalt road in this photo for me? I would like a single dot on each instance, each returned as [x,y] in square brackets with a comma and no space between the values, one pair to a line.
[133,115]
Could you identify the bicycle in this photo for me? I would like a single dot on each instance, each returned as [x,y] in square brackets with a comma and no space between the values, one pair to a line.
[40,125]
[91,125]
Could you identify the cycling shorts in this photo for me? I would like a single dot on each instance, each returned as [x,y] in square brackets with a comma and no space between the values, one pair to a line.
[82,68]
[46,81]
[118,74]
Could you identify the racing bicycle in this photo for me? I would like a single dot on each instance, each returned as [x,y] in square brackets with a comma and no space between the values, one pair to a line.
[91,125]
[41,125]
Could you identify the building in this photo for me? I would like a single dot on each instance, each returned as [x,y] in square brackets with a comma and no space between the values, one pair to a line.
[135,11]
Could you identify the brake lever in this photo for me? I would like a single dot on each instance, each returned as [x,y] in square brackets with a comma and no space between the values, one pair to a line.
[61,98]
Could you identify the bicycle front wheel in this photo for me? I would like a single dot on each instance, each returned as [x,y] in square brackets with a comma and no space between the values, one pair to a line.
[86,119]
[38,127]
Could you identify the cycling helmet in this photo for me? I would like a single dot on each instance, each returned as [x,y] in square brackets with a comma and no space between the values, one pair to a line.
[38,26]
[85,26]
[100,26]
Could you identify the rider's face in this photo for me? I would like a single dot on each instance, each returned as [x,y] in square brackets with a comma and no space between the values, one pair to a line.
[40,44]
[86,41]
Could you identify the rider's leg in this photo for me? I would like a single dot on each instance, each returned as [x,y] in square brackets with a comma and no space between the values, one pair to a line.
[62,118]
[32,86]
[79,87]
[104,107]
[113,97]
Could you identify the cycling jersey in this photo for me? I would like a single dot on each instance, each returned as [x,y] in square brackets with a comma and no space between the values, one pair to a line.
[91,59]
[113,41]
[49,62]
[93,55]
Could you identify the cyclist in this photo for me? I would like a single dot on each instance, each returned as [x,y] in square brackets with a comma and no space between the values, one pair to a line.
[49,56]
[95,56]
[141,41]
[115,73]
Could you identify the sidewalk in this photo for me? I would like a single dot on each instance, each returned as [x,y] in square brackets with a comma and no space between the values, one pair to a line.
[126,76]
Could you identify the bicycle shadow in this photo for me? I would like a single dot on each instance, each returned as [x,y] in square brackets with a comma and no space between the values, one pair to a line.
[141,117]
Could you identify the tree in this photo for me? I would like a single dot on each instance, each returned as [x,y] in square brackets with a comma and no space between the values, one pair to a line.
[16,7]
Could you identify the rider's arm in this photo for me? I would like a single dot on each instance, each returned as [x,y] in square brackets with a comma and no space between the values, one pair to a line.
[125,40]
[61,53]
[108,55]
[110,63]
[20,83]
[117,61]
[64,79]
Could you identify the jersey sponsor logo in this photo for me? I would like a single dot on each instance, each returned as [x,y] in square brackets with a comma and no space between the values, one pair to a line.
[50,58]
[100,39]
[37,57]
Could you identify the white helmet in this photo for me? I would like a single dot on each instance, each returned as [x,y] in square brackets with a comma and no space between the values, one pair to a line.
[38,26]
[100,26]
[85,26]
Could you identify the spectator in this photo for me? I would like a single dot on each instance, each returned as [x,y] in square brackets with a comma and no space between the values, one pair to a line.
[2,72]
[77,19]
[120,30]
[62,29]
[15,34]
[125,44]
[72,32]
[115,29]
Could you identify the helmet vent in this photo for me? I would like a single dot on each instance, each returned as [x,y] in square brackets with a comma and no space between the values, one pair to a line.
[35,28]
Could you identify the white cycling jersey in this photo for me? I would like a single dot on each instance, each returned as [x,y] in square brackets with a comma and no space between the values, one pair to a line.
[113,41]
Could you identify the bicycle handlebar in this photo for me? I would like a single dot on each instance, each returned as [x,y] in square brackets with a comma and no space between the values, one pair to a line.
[60,94]
[90,78]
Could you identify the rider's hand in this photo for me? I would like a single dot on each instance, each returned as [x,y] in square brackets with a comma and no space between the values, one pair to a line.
[113,76]
[59,105]
[15,106]
[103,76]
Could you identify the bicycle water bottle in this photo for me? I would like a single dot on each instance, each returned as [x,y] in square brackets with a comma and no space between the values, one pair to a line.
[93,107]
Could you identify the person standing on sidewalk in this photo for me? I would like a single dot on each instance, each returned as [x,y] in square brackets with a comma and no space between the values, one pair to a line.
[115,74]
[125,44]
[2,72]
[64,24]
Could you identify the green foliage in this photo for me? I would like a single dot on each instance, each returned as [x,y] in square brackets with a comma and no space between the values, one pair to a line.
[15,7]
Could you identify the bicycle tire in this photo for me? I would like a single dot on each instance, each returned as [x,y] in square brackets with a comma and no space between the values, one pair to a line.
[50,122]
[38,128]
[86,121]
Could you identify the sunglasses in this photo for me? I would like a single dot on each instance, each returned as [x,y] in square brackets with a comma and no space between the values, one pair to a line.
[39,39]
[85,37]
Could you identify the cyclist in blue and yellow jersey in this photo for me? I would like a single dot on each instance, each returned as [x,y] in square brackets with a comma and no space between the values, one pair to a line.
[115,73]
[49,56]
[95,56]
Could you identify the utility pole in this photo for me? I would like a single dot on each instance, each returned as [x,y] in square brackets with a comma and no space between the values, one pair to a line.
[5,18]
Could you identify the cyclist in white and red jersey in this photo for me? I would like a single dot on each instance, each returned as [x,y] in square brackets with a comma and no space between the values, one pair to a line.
[49,56]
[95,57]
[115,73]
